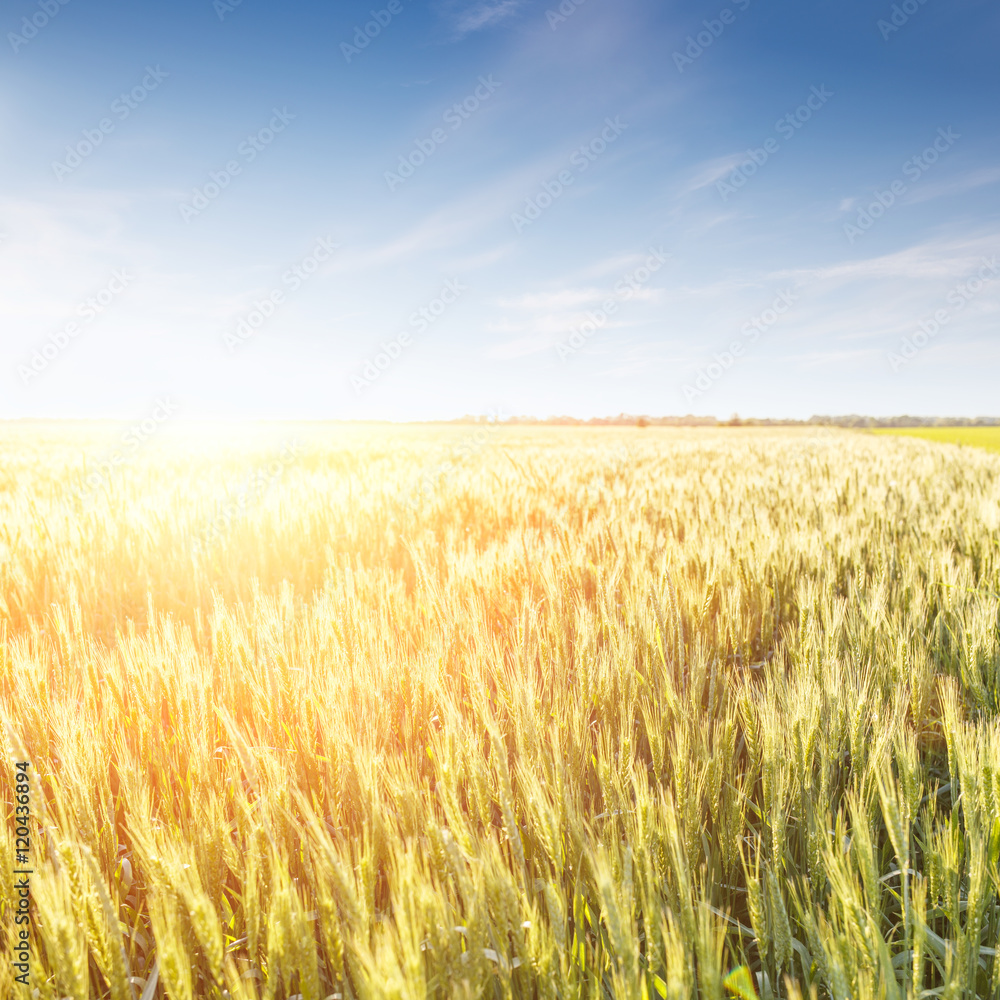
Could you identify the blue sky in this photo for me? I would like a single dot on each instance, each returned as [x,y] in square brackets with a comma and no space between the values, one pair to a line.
[600,207]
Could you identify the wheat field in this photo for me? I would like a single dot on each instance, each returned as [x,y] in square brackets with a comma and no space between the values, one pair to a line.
[487,711]
[973,437]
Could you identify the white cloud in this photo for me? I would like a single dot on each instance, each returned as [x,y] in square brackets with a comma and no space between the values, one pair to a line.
[940,258]
[617,264]
[567,298]
[955,185]
[56,252]
[457,221]
[483,15]
[519,348]
[548,331]
[711,171]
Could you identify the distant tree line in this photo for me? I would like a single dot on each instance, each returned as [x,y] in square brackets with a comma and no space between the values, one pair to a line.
[852,420]
[856,421]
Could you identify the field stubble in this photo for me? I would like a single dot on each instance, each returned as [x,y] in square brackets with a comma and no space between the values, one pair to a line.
[630,713]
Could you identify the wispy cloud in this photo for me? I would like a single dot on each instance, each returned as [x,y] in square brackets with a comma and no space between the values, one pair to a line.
[551,316]
[949,187]
[484,15]
[711,171]
[940,258]
[449,225]
[567,298]
[956,185]
[548,331]
[617,264]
